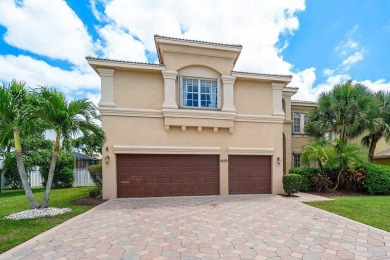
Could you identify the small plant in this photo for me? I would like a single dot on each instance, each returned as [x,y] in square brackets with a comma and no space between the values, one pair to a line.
[354,180]
[321,182]
[95,171]
[292,183]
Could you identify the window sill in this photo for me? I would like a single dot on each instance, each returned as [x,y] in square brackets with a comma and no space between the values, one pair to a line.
[200,118]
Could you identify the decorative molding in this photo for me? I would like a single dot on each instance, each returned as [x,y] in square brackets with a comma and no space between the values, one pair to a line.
[123,64]
[187,113]
[297,151]
[203,114]
[259,118]
[250,151]
[262,77]
[127,149]
[131,112]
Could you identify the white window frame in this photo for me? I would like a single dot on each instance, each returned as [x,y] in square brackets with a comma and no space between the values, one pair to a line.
[294,159]
[299,117]
[181,93]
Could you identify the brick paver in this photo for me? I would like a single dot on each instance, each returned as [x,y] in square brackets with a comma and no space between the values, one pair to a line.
[208,227]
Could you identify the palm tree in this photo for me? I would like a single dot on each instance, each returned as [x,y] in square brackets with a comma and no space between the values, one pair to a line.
[66,119]
[342,111]
[16,119]
[379,116]
[348,156]
[318,150]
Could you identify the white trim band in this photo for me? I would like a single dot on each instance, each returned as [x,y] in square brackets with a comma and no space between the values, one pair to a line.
[126,149]
[250,151]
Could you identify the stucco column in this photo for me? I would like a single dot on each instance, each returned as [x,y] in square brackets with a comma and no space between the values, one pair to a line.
[224,172]
[228,93]
[107,87]
[277,169]
[277,96]
[169,89]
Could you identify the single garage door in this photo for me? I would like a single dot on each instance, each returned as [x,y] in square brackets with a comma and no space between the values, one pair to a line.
[249,174]
[167,175]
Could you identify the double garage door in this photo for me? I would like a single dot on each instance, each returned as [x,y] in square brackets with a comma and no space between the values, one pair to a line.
[189,175]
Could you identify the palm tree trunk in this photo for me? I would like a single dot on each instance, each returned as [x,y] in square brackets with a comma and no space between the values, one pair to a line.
[22,171]
[372,148]
[45,202]
[338,179]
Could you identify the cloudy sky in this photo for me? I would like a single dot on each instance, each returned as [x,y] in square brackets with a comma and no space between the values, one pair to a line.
[321,43]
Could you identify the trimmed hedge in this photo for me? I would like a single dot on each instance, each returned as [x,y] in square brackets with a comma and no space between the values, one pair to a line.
[306,174]
[291,183]
[377,179]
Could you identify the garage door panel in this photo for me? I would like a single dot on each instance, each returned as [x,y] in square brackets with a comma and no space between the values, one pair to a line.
[249,174]
[167,175]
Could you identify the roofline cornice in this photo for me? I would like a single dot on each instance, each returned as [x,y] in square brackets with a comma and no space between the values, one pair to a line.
[257,76]
[108,63]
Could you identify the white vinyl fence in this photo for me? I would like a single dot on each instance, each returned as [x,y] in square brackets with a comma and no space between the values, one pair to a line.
[81,178]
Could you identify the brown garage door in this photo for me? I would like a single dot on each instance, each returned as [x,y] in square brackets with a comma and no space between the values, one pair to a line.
[167,175]
[249,174]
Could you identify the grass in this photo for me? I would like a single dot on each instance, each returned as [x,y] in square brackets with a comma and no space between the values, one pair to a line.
[14,232]
[370,210]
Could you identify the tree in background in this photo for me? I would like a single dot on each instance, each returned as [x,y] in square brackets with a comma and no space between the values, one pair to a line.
[379,126]
[66,119]
[89,144]
[343,111]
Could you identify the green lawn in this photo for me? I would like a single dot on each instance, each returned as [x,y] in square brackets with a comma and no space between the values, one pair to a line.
[370,210]
[14,232]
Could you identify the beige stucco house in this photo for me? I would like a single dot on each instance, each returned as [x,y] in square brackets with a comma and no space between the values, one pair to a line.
[192,125]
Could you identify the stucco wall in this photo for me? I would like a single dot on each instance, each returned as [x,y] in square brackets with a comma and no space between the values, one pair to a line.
[138,89]
[253,97]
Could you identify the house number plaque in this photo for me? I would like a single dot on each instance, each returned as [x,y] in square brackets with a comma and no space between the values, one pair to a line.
[223,160]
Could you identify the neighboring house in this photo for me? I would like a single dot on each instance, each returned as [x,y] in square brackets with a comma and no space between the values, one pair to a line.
[382,157]
[83,161]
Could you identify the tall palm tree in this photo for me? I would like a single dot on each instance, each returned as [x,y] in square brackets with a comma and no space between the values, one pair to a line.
[318,150]
[379,116]
[348,156]
[66,119]
[342,111]
[16,119]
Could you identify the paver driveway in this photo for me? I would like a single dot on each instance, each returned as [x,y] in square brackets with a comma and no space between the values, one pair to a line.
[210,227]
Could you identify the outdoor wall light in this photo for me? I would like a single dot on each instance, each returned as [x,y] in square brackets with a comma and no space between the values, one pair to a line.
[107,159]
[278,160]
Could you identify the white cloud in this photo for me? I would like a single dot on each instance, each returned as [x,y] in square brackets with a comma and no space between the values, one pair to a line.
[257,25]
[46,27]
[36,72]
[328,72]
[356,57]
[121,45]
[380,84]
[304,80]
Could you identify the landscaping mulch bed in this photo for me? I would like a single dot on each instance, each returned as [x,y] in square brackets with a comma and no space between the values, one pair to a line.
[88,201]
[331,193]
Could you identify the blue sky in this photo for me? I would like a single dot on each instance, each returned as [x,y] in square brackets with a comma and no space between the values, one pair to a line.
[321,43]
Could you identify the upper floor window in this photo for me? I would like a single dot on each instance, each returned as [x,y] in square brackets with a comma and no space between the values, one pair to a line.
[199,93]
[297,123]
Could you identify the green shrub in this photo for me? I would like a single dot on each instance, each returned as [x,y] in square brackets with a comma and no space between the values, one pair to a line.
[63,173]
[321,182]
[291,183]
[377,179]
[95,171]
[306,174]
